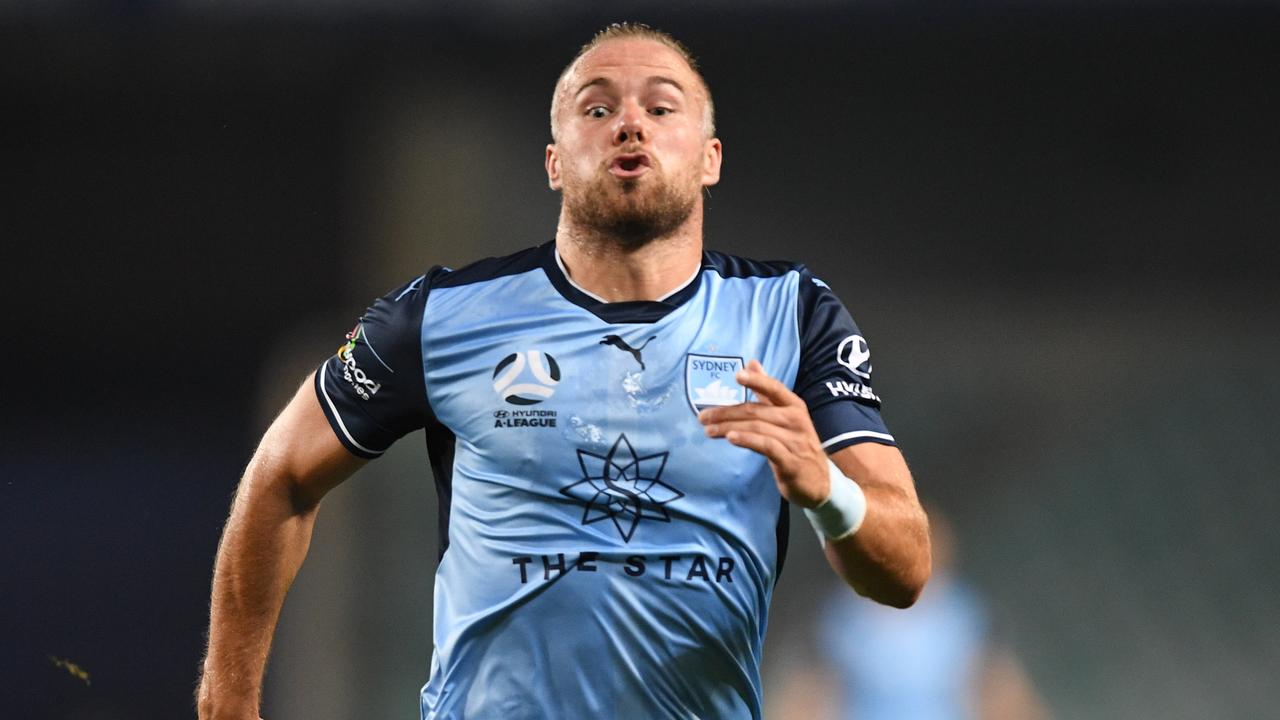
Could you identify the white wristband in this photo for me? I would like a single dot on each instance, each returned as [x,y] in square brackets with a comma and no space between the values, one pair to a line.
[842,513]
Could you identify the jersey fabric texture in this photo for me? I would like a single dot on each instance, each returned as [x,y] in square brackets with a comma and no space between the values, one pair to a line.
[599,555]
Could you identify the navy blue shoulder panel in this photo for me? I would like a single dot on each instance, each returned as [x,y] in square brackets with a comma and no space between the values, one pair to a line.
[492,268]
[733,266]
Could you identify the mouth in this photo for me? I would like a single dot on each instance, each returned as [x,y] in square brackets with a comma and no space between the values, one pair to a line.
[629,165]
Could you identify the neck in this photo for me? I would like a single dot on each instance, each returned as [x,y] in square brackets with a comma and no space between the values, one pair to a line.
[609,268]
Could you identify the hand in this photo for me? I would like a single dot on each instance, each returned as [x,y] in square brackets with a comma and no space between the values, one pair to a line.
[777,426]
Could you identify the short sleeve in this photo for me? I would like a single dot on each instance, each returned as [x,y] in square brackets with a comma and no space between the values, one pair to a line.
[372,390]
[835,370]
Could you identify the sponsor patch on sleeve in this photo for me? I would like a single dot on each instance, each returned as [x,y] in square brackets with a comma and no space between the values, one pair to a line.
[844,388]
[355,375]
[855,354]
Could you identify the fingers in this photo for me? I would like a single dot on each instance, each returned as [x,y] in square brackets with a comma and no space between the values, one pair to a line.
[758,427]
[777,443]
[769,392]
[742,411]
[778,427]
[767,446]
[766,388]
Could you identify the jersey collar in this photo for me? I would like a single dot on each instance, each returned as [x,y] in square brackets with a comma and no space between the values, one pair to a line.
[631,311]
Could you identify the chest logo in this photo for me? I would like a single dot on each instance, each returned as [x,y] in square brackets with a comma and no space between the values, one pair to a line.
[622,487]
[709,381]
[526,378]
[618,342]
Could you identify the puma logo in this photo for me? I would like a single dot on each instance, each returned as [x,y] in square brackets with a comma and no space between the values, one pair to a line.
[621,344]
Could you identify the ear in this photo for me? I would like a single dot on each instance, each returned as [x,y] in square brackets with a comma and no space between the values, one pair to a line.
[712,156]
[553,167]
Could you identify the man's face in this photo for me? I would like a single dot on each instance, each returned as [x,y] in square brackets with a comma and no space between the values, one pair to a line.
[631,154]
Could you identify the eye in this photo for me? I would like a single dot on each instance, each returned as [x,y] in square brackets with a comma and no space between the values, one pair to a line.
[597,111]
[660,111]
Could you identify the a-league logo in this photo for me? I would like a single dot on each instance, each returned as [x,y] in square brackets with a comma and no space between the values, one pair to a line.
[526,378]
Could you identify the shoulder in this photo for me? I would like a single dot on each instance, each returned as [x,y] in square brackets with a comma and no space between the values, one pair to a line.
[811,292]
[809,287]
[736,266]
[492,268]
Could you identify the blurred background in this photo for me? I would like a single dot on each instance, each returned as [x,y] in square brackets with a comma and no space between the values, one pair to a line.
[1056,222]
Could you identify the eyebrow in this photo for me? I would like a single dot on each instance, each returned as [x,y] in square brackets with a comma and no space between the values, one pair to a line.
[607,83]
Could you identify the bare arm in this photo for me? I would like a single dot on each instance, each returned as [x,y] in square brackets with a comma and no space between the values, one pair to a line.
[262,547]
[888,559]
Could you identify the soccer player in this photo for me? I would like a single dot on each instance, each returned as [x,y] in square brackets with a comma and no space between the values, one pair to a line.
[616,420]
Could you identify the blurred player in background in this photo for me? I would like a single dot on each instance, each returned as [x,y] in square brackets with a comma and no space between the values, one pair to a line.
[938,661]
[616,421]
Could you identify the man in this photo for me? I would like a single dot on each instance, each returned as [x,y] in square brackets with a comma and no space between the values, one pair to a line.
[613,473]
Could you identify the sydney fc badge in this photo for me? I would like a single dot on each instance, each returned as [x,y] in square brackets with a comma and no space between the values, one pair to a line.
[709,381]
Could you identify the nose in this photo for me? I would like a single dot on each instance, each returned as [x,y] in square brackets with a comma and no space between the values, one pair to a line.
[630,125]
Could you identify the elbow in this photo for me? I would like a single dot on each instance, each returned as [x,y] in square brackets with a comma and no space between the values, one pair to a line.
[915,579]
[898,592]
[304,501]
[912,579]
[903,589]
[271,480]
[902,594]
[905,595]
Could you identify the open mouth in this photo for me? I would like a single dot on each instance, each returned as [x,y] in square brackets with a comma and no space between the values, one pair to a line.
[629,165]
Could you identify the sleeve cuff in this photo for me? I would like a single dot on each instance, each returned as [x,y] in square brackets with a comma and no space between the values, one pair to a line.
[844,440]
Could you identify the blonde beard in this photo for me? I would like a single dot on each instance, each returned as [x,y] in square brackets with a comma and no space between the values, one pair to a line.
[632,213]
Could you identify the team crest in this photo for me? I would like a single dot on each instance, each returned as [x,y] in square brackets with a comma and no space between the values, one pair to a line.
[709,381]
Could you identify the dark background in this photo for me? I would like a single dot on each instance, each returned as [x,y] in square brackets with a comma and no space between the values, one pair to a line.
[1057,223]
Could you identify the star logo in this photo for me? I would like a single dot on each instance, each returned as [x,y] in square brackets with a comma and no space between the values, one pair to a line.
[623,487]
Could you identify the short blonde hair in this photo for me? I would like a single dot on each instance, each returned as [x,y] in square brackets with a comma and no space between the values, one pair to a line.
[638,31]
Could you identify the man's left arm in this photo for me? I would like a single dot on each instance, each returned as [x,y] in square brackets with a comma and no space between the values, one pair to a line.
[888,557]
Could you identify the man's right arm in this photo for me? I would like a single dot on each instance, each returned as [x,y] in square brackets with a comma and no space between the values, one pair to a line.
[263,545]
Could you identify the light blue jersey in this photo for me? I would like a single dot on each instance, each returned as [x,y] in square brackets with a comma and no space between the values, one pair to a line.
[600,556]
